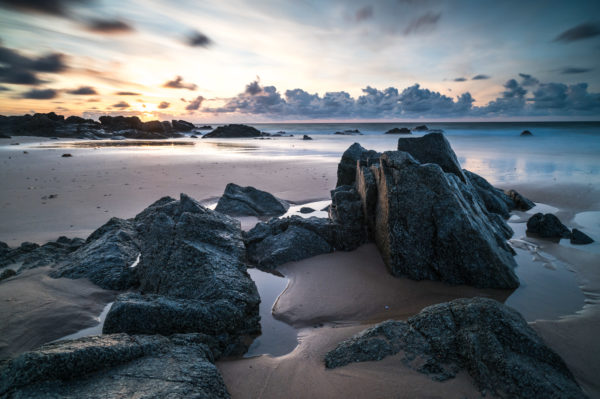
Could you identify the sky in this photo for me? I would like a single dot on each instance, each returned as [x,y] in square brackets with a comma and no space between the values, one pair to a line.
[302,60]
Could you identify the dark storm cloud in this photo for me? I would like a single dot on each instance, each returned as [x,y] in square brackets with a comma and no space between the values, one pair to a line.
[253,88]
[16,68]
[480,77]
[121,104]
[574,70]
[364,13]
[53,7]
[164,105]
[178,83]
[108,26]
[579,32]
[127,93]
[460,80]
[42,94]
[528,80]
[83,91]
[425,23]
[195,104]
[198,39]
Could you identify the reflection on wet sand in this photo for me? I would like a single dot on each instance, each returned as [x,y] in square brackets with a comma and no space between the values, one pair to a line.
[116,143]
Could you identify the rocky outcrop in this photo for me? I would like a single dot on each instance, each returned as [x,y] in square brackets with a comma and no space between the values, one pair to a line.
[521,203]
[106,258]
[233,131]
[580,238]
[421,128]
[182,126]
[400,130]
[491,341]
[116,365]
[305,137]
[31,255]
[495,200]
[432,148]
[249,201]
[346,172]
[547,226]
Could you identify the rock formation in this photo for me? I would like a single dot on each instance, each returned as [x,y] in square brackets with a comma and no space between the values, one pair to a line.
[233,131]
[248,201]
[401,130]
[547,226]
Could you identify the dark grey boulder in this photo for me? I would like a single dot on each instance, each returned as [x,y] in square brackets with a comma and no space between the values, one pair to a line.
[118,365]
[305,137]
[432,148]
[346,172]
[547,226]
[491,341]
[431,225]
[249,201]
[401,130]
[346,212]
[31,255]
[233,131]
[306,209]
[580,238]
[495,200]
[526,133]
[106,258]
[521,203]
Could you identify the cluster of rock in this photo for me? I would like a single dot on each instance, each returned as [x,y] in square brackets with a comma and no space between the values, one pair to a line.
[491,341]
[53,125]
[549,226]
[248,201]
[349,132]
[30,255]
[405,130]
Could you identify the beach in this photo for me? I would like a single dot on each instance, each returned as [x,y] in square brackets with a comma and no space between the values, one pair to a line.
[328,298]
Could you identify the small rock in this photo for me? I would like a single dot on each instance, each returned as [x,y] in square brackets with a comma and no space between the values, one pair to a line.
[233,131]
[547,226]
[305,137]
[194,136]
[66,155]
[306,209]
[421,128]
[580,238]
[526,133]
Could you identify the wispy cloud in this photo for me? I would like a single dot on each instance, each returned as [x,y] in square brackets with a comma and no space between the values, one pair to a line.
[121,104]
[480,77]
[178,83]
[108,26]
[40,94]
[574,70]
[163,105]
[364,13]
[127,93]
[83,91]
[423,24]
[195,104]
[198,39]
[579,32]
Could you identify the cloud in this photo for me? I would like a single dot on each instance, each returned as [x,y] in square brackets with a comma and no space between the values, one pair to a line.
[574,70]
[42,94]
[579,32]
[480,77]
[16,68]
[178,83]
[528,80]
[4,88]
[253,88]
[163,105]
[364,13]
[195,104]
[121,104]
[52,7]
[83,91]
[198,39]
[108,26]
[424,24]
[460,80]
[127,93]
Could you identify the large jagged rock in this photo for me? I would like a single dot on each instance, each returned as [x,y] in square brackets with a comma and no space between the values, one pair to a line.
[547,226]
[233,131]
[192,263]
[249,201]
[346,173]
[495,200]
[432,148]
[490,340]
[113,366]
[431,225]
[106,258]
[31,255]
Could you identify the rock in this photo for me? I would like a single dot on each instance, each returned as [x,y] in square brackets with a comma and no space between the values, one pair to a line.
[118,365]
[526,133]
[305,137]
[491,341]
[430,225]
[306,209]
[79,120]
[182,126]
[346,214]
[233,131]
[153,126]
[495,200]
[5,136]
[106,257]
[31,255]
[205,127]
[547,226]
[349,132]
[420,128]
[194,136]
[521,203]
[7,273]
[580,238]
[248,201]
[346,172]
[432,148]
[115,123]
[401,130]
[66,155]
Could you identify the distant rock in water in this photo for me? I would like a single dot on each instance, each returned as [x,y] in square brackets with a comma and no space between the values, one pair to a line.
[489,340]
[249,201]
[350,132]
[118,365]
[421,128]
[401,130]
[205,127]
[182,126]
[66,155]
[526,133]
[521,203]
[233,131]
[305,137]
[547,226]
[580,238]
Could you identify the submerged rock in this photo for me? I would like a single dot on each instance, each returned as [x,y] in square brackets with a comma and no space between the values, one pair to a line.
[580,238]
[401,130]
[547,226]
[489,340]
[116,365]
[249,201]
[233,131]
